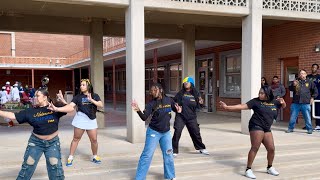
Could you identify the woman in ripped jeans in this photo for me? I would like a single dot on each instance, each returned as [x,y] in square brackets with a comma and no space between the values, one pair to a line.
[158,132]
[43,139]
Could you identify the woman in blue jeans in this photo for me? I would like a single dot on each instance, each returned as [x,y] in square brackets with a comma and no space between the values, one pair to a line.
[159,108]
[43,139]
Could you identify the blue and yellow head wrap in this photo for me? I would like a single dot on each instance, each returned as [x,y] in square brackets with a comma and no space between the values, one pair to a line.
[188,79]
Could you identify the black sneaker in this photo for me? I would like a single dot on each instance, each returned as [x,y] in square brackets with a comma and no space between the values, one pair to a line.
[317,128]
[304,128]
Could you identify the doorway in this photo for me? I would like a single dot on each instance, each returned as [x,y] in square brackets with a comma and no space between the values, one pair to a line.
[290,68]
[206,83]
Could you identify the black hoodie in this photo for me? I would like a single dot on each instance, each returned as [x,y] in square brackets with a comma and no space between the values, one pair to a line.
[189,100]
[160,109]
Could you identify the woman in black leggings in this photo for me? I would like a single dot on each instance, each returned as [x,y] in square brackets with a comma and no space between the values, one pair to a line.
[189,98]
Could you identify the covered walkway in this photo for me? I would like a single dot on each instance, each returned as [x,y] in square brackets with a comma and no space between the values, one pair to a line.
[295,152]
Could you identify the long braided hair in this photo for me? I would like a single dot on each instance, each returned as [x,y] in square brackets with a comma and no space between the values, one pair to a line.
[268,92]
[158,86]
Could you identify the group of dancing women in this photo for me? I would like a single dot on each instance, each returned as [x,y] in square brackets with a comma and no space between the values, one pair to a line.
[44,118]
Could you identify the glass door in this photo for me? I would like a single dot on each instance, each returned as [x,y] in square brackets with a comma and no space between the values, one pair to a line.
[205,79]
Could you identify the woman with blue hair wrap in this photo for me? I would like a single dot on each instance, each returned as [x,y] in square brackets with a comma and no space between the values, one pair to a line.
[189,98]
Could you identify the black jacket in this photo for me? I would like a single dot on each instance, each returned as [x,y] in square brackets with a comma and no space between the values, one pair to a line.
[303,92]
[160,110]
[189,102]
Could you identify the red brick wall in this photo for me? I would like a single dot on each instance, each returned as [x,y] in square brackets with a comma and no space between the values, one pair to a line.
[295,39]
[48,45]
[5,44]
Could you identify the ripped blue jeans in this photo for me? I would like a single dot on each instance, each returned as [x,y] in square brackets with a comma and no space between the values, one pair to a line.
[153,138]
[36,147]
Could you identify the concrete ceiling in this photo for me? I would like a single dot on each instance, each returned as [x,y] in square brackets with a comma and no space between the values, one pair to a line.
[84,12]
[35,7]
[201,20]
[168,50]
[30,7]
[38,7]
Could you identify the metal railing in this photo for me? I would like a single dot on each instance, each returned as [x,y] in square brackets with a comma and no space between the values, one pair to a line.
[113,43]
[78,56]
[6,60]
[241,3]
[314,109]
[109,44]
[312,6]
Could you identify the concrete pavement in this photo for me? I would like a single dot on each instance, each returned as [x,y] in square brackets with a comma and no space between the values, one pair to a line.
[296,153]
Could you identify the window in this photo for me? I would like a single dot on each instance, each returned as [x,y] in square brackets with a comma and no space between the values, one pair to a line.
[108,82]
[121,80]
[230,75]
[233,75]
[161,70]
[148,78]
[175,77]
[149,73]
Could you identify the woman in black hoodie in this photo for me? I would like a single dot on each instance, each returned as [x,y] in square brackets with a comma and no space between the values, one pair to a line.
[158,132]
[189,98]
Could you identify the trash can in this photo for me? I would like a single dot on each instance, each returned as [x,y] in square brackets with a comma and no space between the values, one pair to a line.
[68,95]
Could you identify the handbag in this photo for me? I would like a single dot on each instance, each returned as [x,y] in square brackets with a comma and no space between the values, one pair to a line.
[154,109]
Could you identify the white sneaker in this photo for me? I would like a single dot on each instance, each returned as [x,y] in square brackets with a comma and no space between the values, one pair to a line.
[171,179]
[204,151]
[317,128]
[175,155]
[250,174]
[272,171]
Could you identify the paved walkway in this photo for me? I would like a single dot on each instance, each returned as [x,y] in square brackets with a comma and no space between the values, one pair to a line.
[296,153]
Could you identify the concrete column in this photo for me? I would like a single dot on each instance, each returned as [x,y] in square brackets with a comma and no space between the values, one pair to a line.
[251,59]
[96,70]
[188,52]
[135,67]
